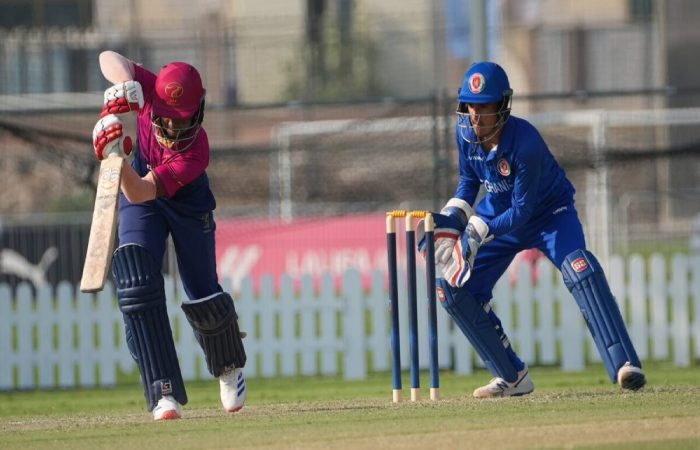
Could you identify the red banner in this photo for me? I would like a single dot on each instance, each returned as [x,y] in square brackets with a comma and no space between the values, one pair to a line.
[315,246]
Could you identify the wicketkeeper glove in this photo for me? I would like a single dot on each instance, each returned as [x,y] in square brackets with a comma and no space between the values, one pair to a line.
[449,224]
[108,137]
[123,98]
[458,268]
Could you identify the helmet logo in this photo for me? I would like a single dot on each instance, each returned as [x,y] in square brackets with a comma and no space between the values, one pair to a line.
[477,83]
[174,90]
[503,167]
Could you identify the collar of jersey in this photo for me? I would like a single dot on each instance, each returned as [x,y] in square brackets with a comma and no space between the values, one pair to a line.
[505,144]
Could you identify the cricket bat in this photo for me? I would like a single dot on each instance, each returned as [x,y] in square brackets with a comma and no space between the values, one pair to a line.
[104,225]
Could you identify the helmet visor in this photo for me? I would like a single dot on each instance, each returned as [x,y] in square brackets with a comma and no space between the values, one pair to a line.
[175,134]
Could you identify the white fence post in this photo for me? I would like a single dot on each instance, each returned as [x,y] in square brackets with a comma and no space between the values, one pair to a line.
[523,297]
[546,330]
[572,331]
[658,294]
[267,318]
[44,351]
[679,328]
[107,316]
[695,299]
[288,308]
[308,306]
[329,305]
[25,320]
[7,320]
[64,314]
[354,361]
[637,302]
[245,307]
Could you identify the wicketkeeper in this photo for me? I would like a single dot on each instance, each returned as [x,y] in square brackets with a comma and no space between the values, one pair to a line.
[165,191]
[529,203]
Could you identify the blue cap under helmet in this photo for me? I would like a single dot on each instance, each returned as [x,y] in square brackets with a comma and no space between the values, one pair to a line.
[484,82]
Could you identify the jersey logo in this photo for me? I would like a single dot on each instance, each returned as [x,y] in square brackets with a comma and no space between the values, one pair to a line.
[579,264]
[477,83]
[206,222]
[497,187]
[503,167]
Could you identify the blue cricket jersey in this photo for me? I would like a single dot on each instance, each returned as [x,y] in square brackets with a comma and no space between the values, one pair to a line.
[522,179]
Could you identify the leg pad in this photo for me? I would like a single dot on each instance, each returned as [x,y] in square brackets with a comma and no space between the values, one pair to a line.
[584,277]
[214,321]
[488,341]
[148,333]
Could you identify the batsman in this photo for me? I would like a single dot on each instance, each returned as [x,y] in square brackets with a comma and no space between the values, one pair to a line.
[165,191]
[528,203]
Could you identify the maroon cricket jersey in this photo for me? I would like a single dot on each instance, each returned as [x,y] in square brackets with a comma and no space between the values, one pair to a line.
[173,169]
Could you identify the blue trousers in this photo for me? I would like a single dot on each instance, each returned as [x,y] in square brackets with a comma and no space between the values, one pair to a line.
[556,235]
[149,224]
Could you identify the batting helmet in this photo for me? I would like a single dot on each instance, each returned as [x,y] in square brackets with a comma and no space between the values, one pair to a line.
[179,92]
[485,82]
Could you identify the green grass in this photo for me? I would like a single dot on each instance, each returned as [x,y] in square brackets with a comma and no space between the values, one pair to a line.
[579,410]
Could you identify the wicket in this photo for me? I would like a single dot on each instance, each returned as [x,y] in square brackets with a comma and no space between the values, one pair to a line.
[429,228]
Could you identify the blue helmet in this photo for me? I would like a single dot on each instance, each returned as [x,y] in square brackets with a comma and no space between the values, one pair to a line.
[485,82]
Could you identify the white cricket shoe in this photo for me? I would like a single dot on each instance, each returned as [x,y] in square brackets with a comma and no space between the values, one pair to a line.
[167,409]
[631,377]
[233,389]
[498,387]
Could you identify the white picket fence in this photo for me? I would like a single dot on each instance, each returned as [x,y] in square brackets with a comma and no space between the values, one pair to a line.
[65,340]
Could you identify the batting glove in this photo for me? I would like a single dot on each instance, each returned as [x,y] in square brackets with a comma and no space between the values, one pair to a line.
[123,98]
[108,137]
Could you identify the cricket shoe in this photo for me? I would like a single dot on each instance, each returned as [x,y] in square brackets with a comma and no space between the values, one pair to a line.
[167,409]
[498,387]
[233,389]
[631,377]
